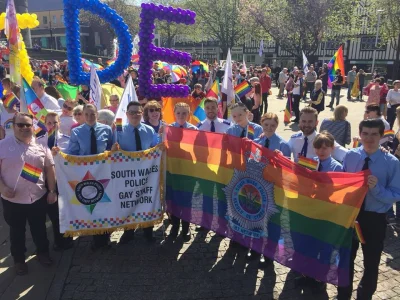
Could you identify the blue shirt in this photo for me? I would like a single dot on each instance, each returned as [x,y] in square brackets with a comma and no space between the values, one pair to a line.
[276,143]
[236,130]
[126,137]
[329,165]
[386,168]
[79,143]
[186,125]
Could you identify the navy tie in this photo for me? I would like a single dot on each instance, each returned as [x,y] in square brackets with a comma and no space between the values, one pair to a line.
[320,167]
[365,167]
[266,143]
[243,133]
[93,141]
[305,147]
[212,126]
[138,140]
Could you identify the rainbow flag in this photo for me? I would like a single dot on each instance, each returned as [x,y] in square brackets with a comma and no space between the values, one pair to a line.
[264,201]
[10,101]
[200,114]
[35,108]
[308,163]
[250,132]
[388,134]
[336,63]
[214,91]
[288,109]
[356,144]
[30,173]
[118,124]
[242,89]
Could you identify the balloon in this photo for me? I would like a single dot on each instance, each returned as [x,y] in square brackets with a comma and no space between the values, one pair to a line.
[71,9]
[149,52]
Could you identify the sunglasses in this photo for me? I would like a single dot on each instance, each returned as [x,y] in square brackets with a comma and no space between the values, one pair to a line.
[22,125]
[134,112]
[67,107]
[154,110]
[78,114]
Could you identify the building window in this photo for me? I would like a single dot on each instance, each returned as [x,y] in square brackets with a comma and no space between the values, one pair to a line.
[250,58]
[44,20]
[368,44]
[54,19]
[330,45]
[62,19]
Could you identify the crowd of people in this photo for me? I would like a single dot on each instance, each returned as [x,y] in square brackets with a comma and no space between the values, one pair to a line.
[81,129]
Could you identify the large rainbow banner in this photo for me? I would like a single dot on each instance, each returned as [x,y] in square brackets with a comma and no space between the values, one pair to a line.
[300,218]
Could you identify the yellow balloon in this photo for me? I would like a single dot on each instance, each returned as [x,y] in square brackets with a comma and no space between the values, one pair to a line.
[36,23]
[34,16]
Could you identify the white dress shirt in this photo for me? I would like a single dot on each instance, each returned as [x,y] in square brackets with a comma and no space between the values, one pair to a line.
[221,125]
[296,143]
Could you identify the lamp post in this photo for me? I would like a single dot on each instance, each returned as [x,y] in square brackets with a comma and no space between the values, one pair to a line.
[376,39]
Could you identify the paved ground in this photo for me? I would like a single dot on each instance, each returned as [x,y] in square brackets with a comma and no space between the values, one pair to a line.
[204,268]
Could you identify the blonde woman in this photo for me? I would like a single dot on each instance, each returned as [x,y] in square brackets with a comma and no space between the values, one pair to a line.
[338,126]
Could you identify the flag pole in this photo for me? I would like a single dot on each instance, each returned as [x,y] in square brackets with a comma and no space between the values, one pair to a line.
[19,176]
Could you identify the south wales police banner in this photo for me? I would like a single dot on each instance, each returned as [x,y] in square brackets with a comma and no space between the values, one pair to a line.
[110,191]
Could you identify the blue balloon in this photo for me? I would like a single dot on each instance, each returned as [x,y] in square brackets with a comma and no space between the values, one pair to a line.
[71,13]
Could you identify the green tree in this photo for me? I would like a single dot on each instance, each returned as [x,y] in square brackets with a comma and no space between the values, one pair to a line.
[300,25]
[169,30]
[129,12]
[219,20]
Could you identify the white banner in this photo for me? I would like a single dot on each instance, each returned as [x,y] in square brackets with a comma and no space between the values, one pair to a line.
[110,191]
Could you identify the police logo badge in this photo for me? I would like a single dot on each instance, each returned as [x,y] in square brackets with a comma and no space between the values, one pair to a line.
[250,198]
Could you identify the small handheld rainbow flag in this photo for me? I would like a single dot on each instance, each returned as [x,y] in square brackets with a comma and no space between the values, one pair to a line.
[389,134]
[10,101]
[356,144]
[242,89]
[308,163]
[118,124]
[250,132]
[30,173]
[359,234]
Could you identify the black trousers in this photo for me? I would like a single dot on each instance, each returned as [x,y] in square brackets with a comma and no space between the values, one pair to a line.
[296,106]
[52,212]
[176,222]
[309,88]
[16,216]
[373,227]
[264,103]
[391,115]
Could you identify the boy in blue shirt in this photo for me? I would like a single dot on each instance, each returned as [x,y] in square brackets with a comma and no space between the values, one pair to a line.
[324,144]
[383,191]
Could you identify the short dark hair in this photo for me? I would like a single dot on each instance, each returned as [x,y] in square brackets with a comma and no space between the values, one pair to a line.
[375,108]
[372,123]
[134,103]
[323,138]
[211,100]
[21,114]
[309,110]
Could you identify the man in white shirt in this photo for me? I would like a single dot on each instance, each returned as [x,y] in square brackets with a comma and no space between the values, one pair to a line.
[283,77]
[212,123]
[48,101]
[301,144]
